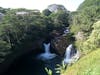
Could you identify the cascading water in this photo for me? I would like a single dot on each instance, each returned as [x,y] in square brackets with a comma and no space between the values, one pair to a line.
[46,55]
[67,58]
[68,51]
[68,55]
[66,31]
[47,47]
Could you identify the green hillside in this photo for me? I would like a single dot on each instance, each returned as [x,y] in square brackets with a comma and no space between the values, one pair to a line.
[88,3]
[88,65]
[86,21]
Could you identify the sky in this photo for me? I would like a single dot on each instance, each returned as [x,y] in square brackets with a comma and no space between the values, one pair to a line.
[70,5]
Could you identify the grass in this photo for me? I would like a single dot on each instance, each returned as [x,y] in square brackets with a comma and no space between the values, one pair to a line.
[87,65]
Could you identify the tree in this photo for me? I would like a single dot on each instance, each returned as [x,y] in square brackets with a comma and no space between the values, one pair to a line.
[21,30]
[61,19]
[89,3]
[93,41]
[84,19]
[46,12]
[4,10]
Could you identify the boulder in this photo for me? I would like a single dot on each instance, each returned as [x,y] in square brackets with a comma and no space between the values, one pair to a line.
[60,44]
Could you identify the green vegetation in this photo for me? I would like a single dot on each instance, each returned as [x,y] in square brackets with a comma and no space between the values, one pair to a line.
[61,68]
[18,31]
[86,27]
[93,41]
[87,65]
[21,28]
[84,19]
[4,10]
[82,24]
[88,3]
[49,72]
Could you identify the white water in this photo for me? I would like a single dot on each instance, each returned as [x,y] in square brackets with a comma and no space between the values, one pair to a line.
[47,47]
[66,31]
[46,55]
[68,58]
[68,52]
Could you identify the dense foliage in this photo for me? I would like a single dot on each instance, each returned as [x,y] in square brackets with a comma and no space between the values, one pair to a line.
[17,30]
[87,65]
[93,41]
[61,19]
[21,28]
[88,3]
[4,10]
[83,20]
[86,27]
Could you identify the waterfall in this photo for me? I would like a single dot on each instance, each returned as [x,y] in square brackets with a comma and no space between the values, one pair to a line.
[46,55]
[67,58]
[47,48]
[68,52]
[68,55]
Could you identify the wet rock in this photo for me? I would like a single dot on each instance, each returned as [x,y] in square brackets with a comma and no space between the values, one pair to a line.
[60,44]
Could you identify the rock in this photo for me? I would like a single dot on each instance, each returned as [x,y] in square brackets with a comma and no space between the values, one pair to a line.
[55,8]
[80,36]
[60,44]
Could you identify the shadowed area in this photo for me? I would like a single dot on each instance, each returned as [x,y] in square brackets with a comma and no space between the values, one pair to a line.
[29,65]
[26,65]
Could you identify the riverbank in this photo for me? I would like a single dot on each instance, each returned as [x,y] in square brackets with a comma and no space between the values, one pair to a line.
[87,65]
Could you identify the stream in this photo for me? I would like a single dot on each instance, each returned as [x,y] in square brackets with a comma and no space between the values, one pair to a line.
[35,65]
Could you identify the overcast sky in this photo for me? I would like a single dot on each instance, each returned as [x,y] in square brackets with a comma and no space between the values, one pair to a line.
[71,5]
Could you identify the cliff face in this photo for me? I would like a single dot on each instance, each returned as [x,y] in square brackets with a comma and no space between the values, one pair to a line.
[55,8]
[60,44]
